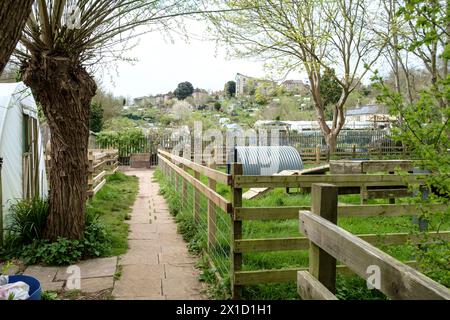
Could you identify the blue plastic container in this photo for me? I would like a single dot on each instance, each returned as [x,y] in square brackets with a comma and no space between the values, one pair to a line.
[35,285]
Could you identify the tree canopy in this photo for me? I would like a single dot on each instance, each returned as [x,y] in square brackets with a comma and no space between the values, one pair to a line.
[184,90]
[230,88]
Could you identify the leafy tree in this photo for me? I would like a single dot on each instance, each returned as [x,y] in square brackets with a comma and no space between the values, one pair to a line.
[217,106]
[96,120]
[424,122]
[184,90]
[14,15]
[311,35]
[58,50]
[230,88]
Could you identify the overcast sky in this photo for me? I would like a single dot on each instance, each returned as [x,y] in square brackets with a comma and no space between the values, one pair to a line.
[162,65]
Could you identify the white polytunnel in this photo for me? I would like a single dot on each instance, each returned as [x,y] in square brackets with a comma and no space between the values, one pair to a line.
[23,173]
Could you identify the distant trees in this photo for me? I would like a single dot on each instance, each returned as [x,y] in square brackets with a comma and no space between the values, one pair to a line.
[96,118]
[184,90]
[230,88]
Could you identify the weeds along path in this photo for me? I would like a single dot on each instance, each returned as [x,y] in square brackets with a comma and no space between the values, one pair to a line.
[157,264]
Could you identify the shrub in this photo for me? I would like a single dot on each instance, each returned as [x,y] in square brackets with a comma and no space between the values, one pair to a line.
[96,242]
[25,237]
[28,220]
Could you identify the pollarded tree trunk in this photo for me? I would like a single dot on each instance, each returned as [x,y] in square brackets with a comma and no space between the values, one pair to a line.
[13,16]
[65,90]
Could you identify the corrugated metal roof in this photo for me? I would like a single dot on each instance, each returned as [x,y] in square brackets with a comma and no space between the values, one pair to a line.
[268,160]
[367,109]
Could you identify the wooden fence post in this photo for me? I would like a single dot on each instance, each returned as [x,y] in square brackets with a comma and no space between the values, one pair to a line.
[183,187]
[324,203]
[211,213]
[91,174]
[197,200]
[236,232]
[318,154]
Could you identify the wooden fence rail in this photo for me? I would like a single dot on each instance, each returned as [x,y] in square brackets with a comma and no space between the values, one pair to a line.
[101,164]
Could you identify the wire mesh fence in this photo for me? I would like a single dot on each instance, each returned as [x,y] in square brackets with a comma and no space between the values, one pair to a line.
[205,226]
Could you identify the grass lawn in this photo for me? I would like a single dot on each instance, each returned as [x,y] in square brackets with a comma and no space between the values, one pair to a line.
[113,205]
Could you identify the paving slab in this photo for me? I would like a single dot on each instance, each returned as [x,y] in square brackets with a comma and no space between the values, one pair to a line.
[43,274]
[92,285]
[95,268]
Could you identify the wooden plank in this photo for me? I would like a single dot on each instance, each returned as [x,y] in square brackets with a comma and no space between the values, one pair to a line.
[98,177]
[398,281]
[100,164]
[302,243]
[309,288]
[236,234]
[322,265]
[274,244]
[267,213]
[256,192]
[219,201]
[284,275]
[342,180]
[371,166]
[388,193]
[208,172]
[315,170]
[391,210]
[370,210]
[99,186]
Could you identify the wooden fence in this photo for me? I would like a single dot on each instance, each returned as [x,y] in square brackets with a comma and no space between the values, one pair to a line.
[329,243]
[101,164]
[180,169]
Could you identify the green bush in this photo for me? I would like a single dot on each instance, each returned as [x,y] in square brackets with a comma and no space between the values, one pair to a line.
[28,220]
[60,252]
[95,243]
[25,237]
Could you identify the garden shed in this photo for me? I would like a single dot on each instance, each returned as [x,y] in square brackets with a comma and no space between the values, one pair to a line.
[23,173]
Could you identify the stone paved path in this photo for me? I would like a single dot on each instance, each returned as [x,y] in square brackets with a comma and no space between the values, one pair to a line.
[157,264]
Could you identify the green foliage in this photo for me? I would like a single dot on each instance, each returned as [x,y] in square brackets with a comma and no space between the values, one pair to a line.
[28,219]
[64,251]
[61,252]
[230,89]
[330,90]
[96,117]
[131,139]
[217,106]
[184,90]
[49,295]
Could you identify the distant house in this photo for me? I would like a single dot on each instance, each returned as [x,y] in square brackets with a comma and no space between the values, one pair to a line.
[367,113]
[295,86]
[243,82]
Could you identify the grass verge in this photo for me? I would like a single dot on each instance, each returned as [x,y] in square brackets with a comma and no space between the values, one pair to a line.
[112,204]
